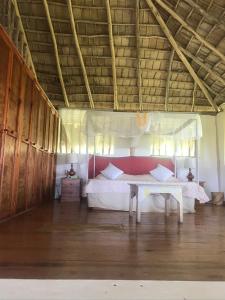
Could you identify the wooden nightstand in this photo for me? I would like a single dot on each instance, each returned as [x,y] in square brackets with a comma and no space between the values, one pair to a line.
[70,189]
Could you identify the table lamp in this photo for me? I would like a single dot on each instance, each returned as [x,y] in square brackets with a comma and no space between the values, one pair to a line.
[190,163]
[71,158]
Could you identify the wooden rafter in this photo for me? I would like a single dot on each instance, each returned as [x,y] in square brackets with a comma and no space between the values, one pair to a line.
[203,65]
[219,22]
[21,28]
[56,52]
[135,106]
[168,79]
[139,80]
[76,41]
[171,39]
[111,41]
[189,28]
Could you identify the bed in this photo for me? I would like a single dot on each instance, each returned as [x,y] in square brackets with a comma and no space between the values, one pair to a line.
[115,194]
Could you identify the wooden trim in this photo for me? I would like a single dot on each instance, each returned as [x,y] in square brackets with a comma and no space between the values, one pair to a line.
[168,79]
[112,49]
[76,41]
[56,52]
[189,28]
[180,54]
[139,79]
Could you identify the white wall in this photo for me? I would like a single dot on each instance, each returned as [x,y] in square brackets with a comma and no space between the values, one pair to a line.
[208,170]
[220,119]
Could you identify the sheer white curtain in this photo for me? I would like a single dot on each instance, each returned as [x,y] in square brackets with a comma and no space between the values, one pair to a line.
[110,133]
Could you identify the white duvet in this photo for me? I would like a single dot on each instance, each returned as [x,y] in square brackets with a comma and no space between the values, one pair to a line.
[114,194]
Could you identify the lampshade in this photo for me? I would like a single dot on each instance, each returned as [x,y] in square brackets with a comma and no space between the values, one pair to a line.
[71,158]
[190,162]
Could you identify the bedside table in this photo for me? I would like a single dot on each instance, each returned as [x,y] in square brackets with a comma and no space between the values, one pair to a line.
[70,189]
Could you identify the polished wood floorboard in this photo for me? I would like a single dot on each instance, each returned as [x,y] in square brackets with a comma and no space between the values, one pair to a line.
[68,241]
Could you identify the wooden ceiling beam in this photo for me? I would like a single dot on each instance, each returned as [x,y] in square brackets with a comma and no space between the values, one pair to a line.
[111,41]
[56,53]
[189,28]
[139,79]
[168,79]
[171,39]
[134,106]
[218,21]
[77,45]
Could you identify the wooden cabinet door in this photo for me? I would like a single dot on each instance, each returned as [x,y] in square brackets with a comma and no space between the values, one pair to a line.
[21,196]
[41,123]
[7,178]
[27,109]
[14,96]
[31,178]
[4,74]
[34,115]
[51,133]
[55,133]
[46,131]
[38,173]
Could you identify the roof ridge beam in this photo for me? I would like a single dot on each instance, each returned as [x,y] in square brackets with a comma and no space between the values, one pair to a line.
[139,79]
[168,79]
[115,104]
[80,56]
[56,52]
[171,39]
[188,27]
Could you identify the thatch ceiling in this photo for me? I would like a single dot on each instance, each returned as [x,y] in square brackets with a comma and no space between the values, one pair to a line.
[128,54]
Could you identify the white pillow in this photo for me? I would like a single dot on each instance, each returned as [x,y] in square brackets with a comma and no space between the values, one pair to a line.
[111,172]
[161,173]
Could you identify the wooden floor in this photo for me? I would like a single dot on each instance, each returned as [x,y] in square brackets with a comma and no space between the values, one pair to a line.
[68,241]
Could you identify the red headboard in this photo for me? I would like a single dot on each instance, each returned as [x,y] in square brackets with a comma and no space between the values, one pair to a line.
[133,165]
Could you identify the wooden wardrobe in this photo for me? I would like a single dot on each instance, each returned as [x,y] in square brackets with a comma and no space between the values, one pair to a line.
[28,135]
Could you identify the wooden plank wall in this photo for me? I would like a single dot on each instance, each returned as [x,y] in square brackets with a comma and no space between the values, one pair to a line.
[28,135]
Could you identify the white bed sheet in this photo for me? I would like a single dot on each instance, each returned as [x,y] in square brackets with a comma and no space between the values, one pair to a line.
[114,194]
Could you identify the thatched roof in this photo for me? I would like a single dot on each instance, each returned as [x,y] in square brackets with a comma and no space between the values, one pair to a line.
[128,54]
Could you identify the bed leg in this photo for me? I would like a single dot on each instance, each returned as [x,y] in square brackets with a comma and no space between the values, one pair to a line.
[180,207]
[131,206]
[167,204]
[138,211]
